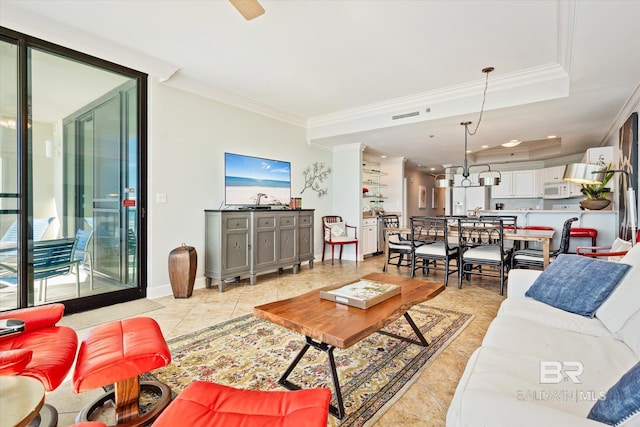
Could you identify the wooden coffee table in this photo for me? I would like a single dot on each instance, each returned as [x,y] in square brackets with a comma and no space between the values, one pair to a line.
[328,324]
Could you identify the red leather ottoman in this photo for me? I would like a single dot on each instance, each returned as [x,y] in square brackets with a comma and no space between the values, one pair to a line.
[204,404]
[117,353]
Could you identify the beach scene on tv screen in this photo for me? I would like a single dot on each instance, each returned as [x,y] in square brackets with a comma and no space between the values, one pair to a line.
[253,180]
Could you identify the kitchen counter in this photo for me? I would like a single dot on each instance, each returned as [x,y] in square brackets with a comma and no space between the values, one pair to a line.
[518,211]
[605,221]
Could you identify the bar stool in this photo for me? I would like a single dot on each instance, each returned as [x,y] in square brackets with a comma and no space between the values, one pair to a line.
[584,232]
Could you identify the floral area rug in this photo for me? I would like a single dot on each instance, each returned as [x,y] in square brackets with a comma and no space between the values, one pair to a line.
[251,353]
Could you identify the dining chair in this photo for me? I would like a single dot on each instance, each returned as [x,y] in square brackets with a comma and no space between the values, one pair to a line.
[335,232]
[509,222]
[481,249]
[398,246]
[533,258]
[431,248]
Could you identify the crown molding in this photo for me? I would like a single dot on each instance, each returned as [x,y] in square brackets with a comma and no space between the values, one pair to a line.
[566,30]
[424,100]
[197,87]
[26,22]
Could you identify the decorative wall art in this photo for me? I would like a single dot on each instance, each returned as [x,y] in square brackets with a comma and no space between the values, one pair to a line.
[628,147]
[422,197]
[314,176]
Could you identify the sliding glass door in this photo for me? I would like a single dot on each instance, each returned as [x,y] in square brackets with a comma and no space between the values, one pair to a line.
[73,173]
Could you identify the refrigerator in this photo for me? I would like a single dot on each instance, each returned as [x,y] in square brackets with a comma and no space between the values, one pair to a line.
[459,200]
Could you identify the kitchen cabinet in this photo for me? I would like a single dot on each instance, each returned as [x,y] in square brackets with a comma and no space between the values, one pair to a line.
[553,174]
[373,199]
[369,236]
[516,184]
[598,155]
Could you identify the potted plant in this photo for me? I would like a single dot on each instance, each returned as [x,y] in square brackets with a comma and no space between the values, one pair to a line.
[596,194]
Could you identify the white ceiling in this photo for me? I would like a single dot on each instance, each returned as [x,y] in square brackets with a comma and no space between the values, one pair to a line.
[342,68]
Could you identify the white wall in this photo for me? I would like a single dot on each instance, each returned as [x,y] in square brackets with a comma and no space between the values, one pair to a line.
[612,138]
[416,178]
[346,199]
[394,191]
[188,136]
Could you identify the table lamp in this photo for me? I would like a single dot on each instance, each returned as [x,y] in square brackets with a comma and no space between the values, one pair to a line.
[587,173]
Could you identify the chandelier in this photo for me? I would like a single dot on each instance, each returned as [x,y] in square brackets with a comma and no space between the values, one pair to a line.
[486,177]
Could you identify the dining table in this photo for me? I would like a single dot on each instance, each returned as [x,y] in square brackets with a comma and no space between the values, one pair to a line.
[544,237]
[526,235]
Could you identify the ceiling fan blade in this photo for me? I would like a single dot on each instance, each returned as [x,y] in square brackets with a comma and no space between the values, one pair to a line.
[248,8]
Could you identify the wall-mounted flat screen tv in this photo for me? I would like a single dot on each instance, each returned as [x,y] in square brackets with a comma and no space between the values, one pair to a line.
[255,181]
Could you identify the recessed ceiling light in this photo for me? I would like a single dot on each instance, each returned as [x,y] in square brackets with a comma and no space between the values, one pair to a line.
[469,151]
[512,143]
[551,137]
[432,169]
[484,146]
[383,156]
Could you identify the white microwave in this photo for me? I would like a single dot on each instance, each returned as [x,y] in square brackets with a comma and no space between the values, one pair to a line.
[556,190]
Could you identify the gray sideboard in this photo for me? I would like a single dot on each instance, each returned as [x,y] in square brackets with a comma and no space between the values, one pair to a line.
[248,243]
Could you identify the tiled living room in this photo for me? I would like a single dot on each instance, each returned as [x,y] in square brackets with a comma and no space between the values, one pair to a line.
[126,121]
[425,401]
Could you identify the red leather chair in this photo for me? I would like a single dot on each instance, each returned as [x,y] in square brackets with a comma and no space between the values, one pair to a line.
[204,404]
[42,350]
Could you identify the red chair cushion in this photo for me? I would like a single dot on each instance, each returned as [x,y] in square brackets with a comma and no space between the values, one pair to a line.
[208,404]
[53,348]
[119,350]
[12,362]
[42,316]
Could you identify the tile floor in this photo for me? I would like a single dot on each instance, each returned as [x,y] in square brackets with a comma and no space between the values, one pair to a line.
[424,404]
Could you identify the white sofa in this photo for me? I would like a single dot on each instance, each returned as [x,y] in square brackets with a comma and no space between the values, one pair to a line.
[512,379]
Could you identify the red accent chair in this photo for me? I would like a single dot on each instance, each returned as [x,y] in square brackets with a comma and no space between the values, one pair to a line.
[335,232]
[118,353]
[611,251]
[42,350]
[208,404]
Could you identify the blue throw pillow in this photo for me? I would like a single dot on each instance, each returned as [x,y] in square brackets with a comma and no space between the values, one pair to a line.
[621,401]
[577,284]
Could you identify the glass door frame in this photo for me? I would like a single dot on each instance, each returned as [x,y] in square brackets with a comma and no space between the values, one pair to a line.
[24,168]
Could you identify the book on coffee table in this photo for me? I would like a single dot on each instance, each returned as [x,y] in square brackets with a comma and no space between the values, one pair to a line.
[362,294]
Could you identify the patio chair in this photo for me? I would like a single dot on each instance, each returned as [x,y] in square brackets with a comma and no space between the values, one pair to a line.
[82,253]
[335,232]
[40,227]
[51,258]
